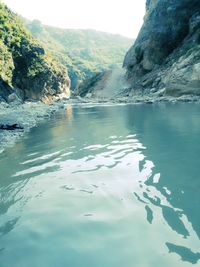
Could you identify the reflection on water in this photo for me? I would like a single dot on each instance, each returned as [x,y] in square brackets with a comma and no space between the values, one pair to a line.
[172,134]
[104,186]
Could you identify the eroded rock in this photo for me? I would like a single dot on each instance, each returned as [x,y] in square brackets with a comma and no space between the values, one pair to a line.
[166,53]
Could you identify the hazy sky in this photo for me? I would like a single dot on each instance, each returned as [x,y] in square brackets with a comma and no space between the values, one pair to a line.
[116,16]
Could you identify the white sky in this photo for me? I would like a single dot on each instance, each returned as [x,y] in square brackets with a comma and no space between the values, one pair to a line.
[124,17]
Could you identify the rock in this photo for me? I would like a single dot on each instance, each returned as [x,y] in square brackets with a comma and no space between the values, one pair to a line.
[165,26]
[4,105]
[153,90]
[14,99]
[149,101]
[89,95]
[166,53]
[11,127]
[2,100]
[194,23]
[161,92]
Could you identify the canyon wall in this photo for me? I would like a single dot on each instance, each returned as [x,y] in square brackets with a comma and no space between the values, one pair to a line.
[165,58]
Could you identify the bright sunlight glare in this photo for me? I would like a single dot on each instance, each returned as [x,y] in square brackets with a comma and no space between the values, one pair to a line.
[119,17]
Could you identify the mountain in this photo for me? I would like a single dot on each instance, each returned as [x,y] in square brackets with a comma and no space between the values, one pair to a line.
[84,52]
[166,55]
[26,69]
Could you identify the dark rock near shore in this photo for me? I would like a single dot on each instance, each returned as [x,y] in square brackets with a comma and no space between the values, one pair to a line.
[11,127]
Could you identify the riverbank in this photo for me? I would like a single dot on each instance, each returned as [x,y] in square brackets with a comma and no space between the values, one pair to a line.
[139,99]
[26,115]
[29,114]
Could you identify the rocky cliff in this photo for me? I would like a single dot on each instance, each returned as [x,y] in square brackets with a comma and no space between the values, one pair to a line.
[166,54]
[25,68]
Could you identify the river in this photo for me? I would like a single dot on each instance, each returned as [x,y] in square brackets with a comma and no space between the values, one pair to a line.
[104,186]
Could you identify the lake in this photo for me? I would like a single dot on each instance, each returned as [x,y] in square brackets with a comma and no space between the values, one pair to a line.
[104,186]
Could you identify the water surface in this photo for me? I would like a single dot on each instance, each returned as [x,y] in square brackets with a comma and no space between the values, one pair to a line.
[104,186]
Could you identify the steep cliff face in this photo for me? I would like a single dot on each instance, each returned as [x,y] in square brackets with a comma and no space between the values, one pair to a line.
[166,54]
[25,68]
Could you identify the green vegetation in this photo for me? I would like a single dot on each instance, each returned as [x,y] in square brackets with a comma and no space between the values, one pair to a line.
[84,52]
[33,59]
[6,64]
[24,64]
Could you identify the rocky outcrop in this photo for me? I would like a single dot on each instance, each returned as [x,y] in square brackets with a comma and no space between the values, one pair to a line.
[27,71]
[166,54]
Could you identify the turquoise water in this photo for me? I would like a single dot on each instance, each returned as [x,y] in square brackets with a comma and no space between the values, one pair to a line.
[104,186]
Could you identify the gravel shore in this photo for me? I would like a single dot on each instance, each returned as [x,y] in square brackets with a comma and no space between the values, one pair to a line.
[26,115]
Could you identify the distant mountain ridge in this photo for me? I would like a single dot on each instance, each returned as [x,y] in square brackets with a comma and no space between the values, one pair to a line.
[84,52]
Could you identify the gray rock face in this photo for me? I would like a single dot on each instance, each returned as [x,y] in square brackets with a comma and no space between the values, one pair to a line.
[166,53]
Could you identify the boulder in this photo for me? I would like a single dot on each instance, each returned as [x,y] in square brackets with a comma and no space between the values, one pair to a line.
[14,99]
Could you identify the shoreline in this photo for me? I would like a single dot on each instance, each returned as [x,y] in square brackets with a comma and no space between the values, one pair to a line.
[29,114]
[139,99]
